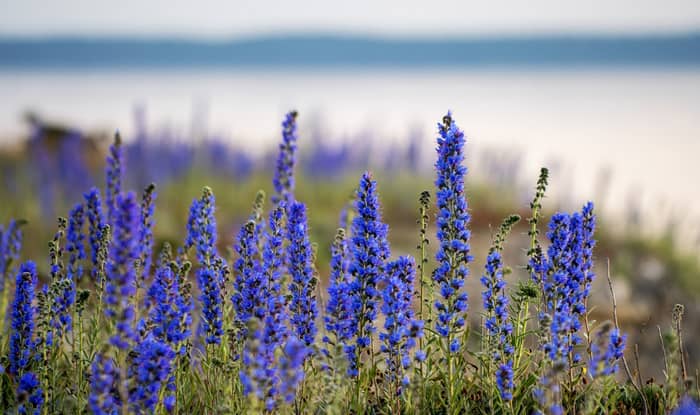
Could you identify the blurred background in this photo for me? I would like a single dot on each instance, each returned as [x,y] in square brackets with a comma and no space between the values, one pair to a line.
[605,94]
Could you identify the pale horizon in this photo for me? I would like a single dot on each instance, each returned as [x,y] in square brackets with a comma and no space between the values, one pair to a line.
[410,18]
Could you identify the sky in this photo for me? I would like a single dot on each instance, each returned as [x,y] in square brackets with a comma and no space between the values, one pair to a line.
[241,18]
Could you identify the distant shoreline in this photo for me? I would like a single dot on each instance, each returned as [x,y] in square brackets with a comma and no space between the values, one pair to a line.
[336,51]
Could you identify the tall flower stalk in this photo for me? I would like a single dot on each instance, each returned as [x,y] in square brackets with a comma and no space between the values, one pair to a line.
[302,287]
[96,224]
[113,176]
[260,374]
[498,327]
[146,231]
[10,245]
[202,235]
[401,328]
[339,312]
[369,250]
[121,273]
[283,180]
[22,337]
[453,254]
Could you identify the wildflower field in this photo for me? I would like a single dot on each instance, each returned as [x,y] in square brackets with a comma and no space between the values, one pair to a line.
[124,323]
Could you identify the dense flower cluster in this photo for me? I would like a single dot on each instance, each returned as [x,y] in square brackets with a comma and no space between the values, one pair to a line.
[275,319]
[498,326]
[452,232]
[113,174]
[302,287]
[248,297]
[96,223]
[566,278]
[339,312]
[260,372]
[30,396]
[104,386]
[149,371]
[22,338]
[283,180]
[401,329]
[146,230]
[201,234]
[169,317]
[121,274]
[10,244]
[606,351]
[210,286]
[369,250]
[201,228]
[274,309]
[75,243]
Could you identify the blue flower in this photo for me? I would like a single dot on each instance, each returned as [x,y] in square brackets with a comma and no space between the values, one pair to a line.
[275,329]
[121,274]
[210,283]
[291,367]
[75,242]
[169,317]
[96,221]
[504,380]
[369,250]
[259,373]
[302,306]
[687,407]
[606,351]
[498,327]
[113,175]
[400,327]
[21,339]
[283,180]
[201,228]
[452,231]
[104,387]
[150,370]
[249,298]
[339,312]
[146,229]
[30,396]
[10,244]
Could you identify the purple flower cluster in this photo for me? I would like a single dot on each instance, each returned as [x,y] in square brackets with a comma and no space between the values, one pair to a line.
[401,328]
[369,250]
[201,233]
[302,306]
[452,232]
[210,286]
[565,279]
[283,180]
[113,174]
[275,318]
[10,244]
[201,228]
[249,297]
[169,317]
[150,371]
[605,356]
[339,312]
[104,380]
[146,229]
[121,275]
[22,338]
[30,396]
[75,243]
[498,326]
[96,223]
